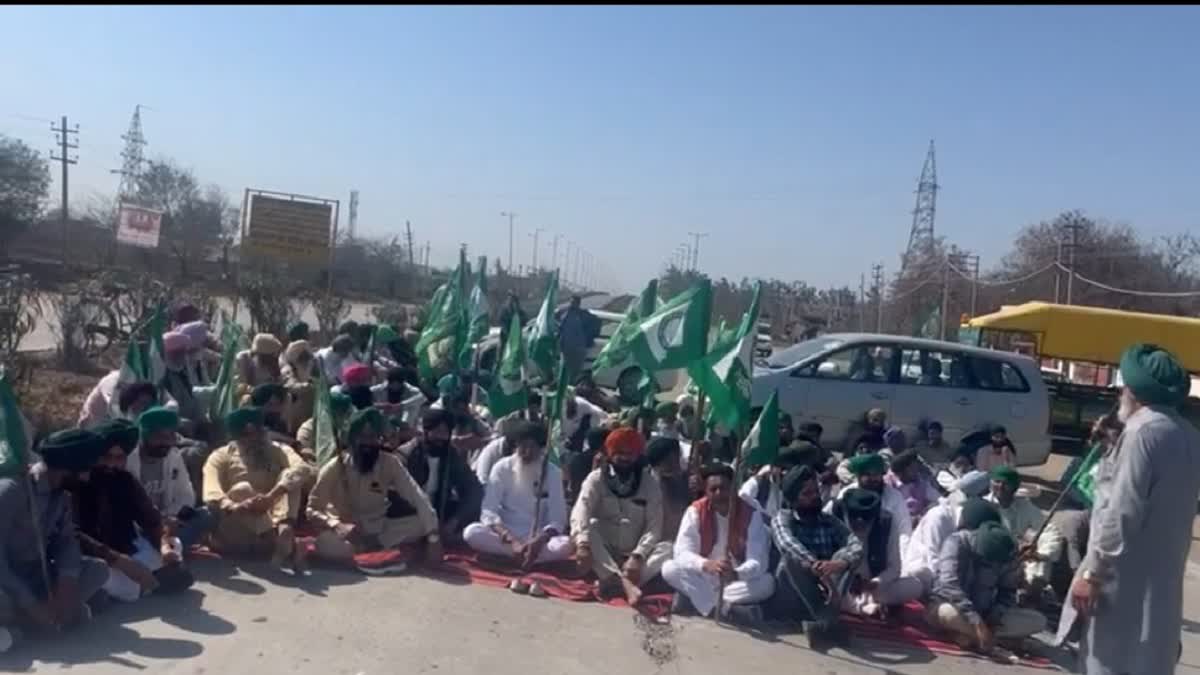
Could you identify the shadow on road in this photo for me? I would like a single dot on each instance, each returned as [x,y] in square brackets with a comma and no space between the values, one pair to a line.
[102,641]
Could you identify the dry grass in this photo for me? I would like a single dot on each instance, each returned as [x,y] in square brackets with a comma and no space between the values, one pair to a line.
[51,398]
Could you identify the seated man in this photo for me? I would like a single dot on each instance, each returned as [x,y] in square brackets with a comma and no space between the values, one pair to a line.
[762,491]
[914,484]
[867,443]
[306,437]
[667,422]
[1000,452]
[1023,520]
[933,448]
[160,468]
[974,595]
[524,515]
[817,554]
[256,486]
[397,396]
[617,522]
[502,446]
[532,412]
[366,500]
[722,547]
[875,584]
[272,398]
[664,456]
[119,524]
[963,509]
[259,364]
[443,474]
[868,471]
[581,464]
[67,457]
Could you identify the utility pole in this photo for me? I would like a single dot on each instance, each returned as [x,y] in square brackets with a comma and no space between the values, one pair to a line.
[973,260]
[427,270]
[1074,227]
[510,215]
[1058,270]
[877,282]
[862,302]
[696,236]
[535,234]
[945,298]
[554,252]
[64,145]
[408,237]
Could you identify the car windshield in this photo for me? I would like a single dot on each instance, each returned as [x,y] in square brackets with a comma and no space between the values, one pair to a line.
[800,351]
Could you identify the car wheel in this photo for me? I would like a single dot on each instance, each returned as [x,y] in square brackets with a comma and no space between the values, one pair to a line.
[627,385]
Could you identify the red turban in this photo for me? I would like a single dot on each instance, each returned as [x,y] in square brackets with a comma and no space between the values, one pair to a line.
[624,438]
[355,375]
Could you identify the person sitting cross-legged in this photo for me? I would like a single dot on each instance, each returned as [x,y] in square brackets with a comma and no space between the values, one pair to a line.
[524,515]
[818,553]
[1024,521]
[256,486]
[974,595]
[618,520]
[722,547]
[964,508]
[25,600]
[119,523]
[869,471]
[444,475]
[876,584]
[162,470]
[365,500]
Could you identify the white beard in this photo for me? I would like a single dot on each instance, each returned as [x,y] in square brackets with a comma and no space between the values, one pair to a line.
[1125,411]
[526,475]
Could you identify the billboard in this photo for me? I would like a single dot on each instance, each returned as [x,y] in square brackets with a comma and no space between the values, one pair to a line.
[138,226]
[289,229]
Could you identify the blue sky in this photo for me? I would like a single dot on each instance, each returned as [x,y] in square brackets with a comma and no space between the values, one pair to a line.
[793,136]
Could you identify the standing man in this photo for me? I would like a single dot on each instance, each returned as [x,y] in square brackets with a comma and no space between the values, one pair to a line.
[577,330]
[1130,589]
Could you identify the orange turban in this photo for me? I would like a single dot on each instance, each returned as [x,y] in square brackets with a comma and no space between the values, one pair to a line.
[624,438]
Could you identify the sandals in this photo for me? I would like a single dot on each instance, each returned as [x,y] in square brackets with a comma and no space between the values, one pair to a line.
[522,587]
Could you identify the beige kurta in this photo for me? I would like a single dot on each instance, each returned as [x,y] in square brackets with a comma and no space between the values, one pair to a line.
[615,528]
[227,472]
[343,494]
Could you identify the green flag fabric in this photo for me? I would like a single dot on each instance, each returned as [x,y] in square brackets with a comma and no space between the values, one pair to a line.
[445,329]
[761,446]
[724,373]
[478,315]
[222,402]
[142,362]
[325,431]
[14,443]
[1083,481]
[674,335]
[543,339]
[557,403]
[616,352]
[508,392]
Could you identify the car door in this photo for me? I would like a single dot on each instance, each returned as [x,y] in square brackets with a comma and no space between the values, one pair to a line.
[844,384]
[924,394]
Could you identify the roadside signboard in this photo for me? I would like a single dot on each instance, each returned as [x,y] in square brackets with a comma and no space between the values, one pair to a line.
[138,226]
[291,230]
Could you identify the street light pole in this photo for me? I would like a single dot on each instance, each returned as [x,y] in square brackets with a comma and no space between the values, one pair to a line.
[510,215]
[535,234]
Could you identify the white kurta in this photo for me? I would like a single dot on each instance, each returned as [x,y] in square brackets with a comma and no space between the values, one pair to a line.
[749,494]
[920,557]
[507,503]
[486,460]
[685,573]
[1146,492]
[1023,519]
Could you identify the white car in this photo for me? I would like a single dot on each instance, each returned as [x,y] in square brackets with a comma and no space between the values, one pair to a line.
[623,377]
[834,379]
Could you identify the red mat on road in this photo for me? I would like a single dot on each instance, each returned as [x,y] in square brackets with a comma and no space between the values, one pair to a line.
[911,630]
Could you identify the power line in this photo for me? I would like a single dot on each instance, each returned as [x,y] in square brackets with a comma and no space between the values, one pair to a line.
[1127,291]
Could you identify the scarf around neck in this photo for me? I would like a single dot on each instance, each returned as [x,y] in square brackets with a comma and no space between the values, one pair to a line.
[622,488]
[739,525]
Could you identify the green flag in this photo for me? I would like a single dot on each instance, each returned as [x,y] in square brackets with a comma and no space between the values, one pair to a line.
[478,315]
[156,362]
[724,373]
[142,362]
[325,429]
[1083,483]
[223,402]
[508,392]
[615,352]
[445,328]
[761,446]
[543,340]
[674,335]
[555,415]
[14,443]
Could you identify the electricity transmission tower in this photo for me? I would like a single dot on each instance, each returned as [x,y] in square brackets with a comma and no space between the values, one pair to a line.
[132,158]
[920,238]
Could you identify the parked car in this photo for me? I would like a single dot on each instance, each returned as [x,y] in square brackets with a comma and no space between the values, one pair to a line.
[834,379]
[622,378]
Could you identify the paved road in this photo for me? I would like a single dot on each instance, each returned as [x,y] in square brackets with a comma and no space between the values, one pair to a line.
[254,621]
